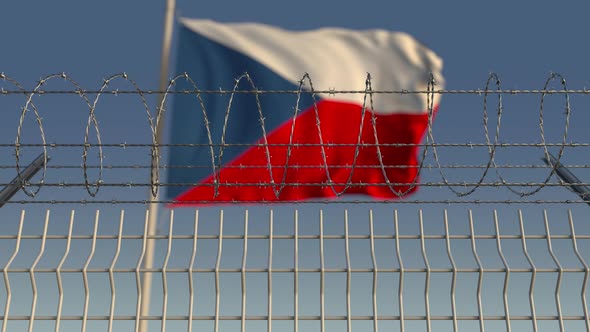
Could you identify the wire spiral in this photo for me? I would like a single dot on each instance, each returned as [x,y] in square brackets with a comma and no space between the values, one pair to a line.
[91,100]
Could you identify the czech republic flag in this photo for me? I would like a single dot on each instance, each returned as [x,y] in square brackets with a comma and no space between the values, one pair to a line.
[300,125]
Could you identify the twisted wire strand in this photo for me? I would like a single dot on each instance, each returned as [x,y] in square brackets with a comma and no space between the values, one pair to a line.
[306,184]
[356,149]
[189,80]
[249,80]
[542,127]
[143,145]
[479,92]
[412,185]
[491,150]
[277,186]
[17,141]
[300,166]
[92,117]
[92,120]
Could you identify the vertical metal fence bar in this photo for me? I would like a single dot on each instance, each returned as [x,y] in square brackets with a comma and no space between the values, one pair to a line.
[480,272]
[348,273]
[506,275]
[243,272]
[62,269]
[534,274]
[375,270]
[559,275]
[111,272]
[322,268]
[164,270]
[58,273]
[296,271]
[586,270]
[5,271]
[217,265]
[270,231]
[454,267]
[400,294]
[427,281]
[148,263]
[32,272]
[137,271]
[85,272]
[191,285]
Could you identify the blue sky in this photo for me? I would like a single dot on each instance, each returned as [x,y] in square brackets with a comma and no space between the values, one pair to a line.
[523,42]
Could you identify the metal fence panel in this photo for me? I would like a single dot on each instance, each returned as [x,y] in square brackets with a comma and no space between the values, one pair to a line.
[209,274]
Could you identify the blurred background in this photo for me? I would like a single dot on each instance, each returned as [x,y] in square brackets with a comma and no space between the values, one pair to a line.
[523,43]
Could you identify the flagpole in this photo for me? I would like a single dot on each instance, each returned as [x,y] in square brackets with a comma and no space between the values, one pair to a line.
[153,206]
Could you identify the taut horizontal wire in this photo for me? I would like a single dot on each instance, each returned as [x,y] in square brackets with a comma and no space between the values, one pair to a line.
[300,317]
[478,92]
[362,145]
[302,237]
[300,270]
[305,184]
[425,166]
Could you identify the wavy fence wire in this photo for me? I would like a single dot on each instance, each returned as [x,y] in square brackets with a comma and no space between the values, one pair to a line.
[362,266]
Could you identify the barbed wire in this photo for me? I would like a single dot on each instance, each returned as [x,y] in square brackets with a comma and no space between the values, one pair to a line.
[216,149]
[426,166]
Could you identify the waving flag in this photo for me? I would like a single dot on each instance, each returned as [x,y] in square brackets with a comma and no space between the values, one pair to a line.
[286,146]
